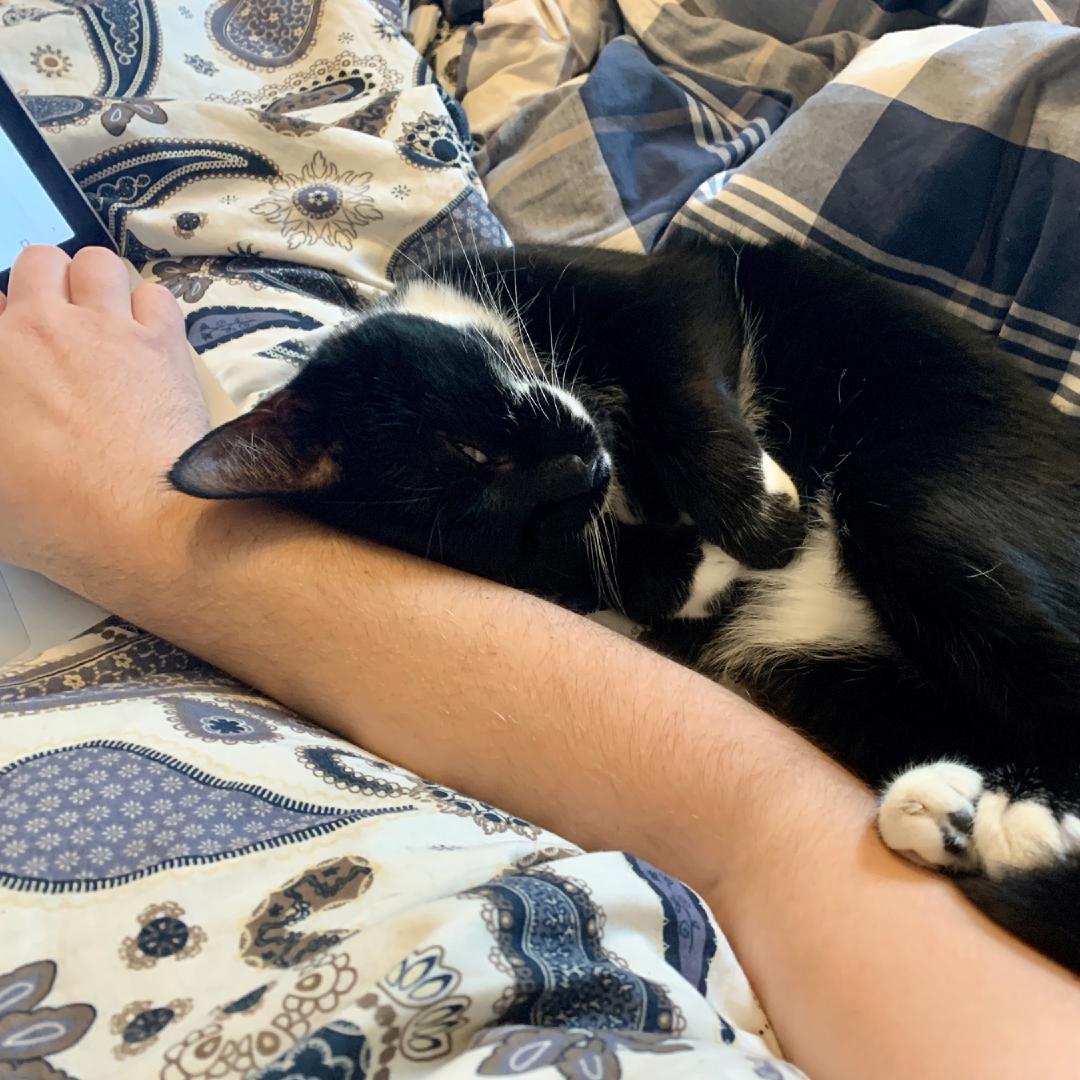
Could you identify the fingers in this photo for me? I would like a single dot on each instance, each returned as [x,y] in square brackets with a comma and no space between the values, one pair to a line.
[95,278]
[39,274]
[156,308]
[98,279]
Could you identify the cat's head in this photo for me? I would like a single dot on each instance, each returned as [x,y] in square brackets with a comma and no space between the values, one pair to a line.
[425,424]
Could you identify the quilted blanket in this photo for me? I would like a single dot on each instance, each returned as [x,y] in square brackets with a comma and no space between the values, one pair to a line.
[195,883]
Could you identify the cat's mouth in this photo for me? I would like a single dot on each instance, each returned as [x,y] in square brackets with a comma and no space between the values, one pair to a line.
[573,513]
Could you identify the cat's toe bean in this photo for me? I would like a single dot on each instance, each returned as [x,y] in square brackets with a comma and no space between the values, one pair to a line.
[1017,835]
[927,814]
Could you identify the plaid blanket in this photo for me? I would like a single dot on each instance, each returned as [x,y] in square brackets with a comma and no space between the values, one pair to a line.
[935,143]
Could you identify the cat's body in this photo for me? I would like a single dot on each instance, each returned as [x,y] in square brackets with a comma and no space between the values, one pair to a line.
[797,478]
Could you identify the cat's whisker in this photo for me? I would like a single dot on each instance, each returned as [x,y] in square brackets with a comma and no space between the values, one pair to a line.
[476,273]
[533,398]
[599,539]
[515,376]
[484,287]
[515,307]
[530,363]
[591,553]
[560,365]
[610,541]
[435,526]
[423,270]
[383,502]
[553,345]
[520,366]
[574,353]
[592,548]
[519,311]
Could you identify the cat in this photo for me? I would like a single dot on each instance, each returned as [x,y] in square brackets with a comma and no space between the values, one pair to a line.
[791,474]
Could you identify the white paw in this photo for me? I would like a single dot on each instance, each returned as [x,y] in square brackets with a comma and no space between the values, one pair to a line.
[1020,835]
[777,482]
[1070,827]
[927,814]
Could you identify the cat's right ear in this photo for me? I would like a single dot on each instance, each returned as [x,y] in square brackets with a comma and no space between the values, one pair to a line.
[266,452]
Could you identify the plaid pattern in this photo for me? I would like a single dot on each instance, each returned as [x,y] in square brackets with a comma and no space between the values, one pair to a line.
[933,143]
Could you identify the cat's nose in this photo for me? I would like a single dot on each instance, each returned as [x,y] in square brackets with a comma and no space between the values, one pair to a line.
[568,477]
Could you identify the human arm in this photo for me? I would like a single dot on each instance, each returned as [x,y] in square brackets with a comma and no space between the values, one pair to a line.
[867,966]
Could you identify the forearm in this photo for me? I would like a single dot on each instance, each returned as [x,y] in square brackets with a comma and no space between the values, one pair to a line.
[866,965]
[459,679]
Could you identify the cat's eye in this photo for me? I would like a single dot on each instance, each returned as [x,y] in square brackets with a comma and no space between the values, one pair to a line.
[473,454]
[484,459]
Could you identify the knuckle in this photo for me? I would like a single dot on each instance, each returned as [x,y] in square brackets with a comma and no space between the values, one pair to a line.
[156,303]
[39,320]
[155,291]
[92,255]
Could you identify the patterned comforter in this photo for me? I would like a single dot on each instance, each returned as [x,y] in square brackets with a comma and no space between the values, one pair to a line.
[195,883]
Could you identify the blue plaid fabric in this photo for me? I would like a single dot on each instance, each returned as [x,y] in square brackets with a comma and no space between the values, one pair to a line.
[934,143]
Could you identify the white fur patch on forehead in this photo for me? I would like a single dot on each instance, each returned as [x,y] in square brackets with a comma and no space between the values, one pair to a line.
[570,403]
[444,304]
[524,389]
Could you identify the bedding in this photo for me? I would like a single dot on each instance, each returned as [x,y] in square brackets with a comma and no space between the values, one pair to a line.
[195,882]
[935,143]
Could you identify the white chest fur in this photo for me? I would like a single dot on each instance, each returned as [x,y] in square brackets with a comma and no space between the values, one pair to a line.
[807,608]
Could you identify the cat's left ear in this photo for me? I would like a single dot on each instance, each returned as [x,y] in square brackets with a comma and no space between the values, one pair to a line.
[267,451]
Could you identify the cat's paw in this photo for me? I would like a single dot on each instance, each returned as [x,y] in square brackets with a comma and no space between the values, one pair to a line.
[927,814]
[943,815]
[1019,834]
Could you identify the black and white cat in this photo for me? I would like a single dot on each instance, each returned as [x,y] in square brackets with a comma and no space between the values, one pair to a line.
[794,476]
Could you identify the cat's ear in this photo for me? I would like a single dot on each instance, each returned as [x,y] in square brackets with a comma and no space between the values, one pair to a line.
[268,451]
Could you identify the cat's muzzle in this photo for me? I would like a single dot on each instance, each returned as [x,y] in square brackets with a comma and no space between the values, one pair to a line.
[574,492]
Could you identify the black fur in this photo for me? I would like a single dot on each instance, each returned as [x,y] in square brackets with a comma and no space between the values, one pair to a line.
[952,483]
[1039,906]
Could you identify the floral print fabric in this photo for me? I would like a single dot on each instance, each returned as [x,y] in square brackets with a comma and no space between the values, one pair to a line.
[195,883]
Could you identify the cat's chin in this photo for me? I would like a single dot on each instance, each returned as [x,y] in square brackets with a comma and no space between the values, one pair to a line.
[574,519]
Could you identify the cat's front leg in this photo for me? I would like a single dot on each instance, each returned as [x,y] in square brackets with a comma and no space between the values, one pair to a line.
[713,468]
[755,514]
[667,572]
[654,571]
[1016,854]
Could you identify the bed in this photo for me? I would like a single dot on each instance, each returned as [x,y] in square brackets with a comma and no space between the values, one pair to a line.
[196,883]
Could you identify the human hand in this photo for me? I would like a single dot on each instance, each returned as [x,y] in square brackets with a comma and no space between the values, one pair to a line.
[98,397]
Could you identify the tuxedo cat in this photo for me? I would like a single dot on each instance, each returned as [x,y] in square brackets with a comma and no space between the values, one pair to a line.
[796,477]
